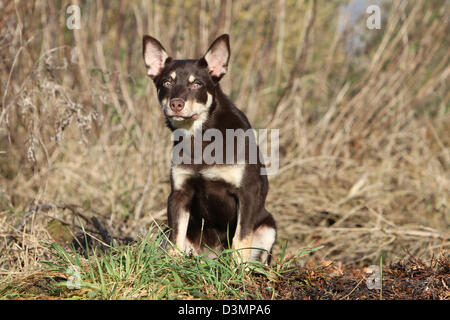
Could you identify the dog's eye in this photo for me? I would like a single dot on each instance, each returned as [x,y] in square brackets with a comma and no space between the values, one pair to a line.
[167,83]
[196,85]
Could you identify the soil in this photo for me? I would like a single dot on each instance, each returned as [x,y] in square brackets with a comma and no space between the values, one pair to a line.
[407,280]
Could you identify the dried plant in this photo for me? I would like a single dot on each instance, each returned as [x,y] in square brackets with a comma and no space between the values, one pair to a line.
[364,143]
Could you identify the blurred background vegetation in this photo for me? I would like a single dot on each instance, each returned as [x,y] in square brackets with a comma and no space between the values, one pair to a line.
[363,118]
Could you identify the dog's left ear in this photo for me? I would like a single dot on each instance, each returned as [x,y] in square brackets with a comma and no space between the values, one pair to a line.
[217,57]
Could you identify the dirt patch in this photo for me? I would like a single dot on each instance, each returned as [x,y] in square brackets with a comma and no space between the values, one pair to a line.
[410,279]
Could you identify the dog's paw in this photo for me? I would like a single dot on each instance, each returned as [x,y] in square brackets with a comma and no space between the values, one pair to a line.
[175,252]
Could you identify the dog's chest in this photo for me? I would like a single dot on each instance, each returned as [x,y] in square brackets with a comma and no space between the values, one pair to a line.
[231,174]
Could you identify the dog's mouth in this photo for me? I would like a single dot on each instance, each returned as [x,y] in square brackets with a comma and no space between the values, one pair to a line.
[179,117]
[192,111]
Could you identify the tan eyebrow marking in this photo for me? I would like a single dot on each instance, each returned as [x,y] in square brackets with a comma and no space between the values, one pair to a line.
[173,75]
[191,78]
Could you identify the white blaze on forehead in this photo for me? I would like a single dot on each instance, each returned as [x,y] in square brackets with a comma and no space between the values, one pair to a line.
[229,173]
[191,78]
[180,175]
[173,75]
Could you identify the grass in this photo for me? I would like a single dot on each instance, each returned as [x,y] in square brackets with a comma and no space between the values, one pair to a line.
[364,143]
[145,270]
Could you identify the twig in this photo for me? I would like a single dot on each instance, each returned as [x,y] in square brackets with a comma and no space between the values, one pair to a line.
[357,285]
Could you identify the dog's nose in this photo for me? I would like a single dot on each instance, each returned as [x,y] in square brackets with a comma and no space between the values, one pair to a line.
[176,104]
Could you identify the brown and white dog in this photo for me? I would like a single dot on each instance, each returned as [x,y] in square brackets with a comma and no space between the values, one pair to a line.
[211,205]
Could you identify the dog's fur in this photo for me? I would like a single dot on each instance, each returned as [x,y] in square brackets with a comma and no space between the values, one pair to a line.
[211,206]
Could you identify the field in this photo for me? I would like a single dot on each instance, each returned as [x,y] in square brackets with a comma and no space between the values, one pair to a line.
[363,117]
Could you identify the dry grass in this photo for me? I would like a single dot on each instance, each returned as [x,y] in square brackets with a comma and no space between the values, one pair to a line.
[364,143]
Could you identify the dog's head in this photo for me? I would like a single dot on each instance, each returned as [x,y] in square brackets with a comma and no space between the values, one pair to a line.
[186,87]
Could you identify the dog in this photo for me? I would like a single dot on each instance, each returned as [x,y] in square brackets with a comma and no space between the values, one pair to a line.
[215,206]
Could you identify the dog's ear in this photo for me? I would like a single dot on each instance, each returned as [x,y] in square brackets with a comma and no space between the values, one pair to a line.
[217,57]
[154,56]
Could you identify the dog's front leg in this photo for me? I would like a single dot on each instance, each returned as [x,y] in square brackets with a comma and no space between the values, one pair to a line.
[243,236]
[242,241]
[178,217]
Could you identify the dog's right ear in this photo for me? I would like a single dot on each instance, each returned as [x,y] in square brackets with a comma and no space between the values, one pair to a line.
[154,56]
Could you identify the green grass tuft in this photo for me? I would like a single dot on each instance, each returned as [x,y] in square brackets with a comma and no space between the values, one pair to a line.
[145,270]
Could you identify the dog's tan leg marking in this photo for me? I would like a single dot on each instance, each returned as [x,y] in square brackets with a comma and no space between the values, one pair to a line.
[182,222]
[241,244]
[243,247]
[263,237]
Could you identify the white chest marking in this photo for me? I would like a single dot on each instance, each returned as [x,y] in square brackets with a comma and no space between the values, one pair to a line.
[179,175]
[229,173]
